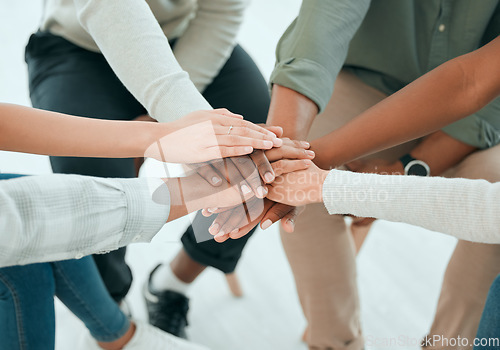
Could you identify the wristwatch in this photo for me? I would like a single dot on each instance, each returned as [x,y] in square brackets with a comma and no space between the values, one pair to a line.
[414,166]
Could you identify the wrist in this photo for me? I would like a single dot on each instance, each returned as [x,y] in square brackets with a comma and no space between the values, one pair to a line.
[292,111]
[322,177]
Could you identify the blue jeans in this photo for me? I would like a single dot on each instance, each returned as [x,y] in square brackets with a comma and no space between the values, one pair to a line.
[489,327]
[27,317]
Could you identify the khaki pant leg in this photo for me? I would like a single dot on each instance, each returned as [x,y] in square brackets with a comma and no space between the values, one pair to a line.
[320,251]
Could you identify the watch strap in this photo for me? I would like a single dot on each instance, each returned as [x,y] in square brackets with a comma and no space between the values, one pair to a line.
[406,159]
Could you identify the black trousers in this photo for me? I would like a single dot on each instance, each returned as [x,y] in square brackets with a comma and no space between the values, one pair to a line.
[66,78]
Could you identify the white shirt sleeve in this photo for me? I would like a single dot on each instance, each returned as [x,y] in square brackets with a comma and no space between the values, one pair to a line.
[209,40]
[466,209]
[129,36]
[58,217]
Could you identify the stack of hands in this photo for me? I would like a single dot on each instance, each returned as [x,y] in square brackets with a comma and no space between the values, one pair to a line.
[241,172]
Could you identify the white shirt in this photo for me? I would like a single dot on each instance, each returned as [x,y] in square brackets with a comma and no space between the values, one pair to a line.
[132,35]
[466,209]
[58,217]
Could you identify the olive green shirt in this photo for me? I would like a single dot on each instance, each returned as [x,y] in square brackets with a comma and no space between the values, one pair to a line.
[388,44]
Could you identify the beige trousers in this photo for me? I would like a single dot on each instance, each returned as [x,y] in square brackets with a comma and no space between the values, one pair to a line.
[322,255]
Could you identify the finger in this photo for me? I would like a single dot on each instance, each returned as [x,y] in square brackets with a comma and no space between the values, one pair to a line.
[236,140]
[240,123]
[255,215]
[285,166]
[289,152]
[214,153]
[277,130]
[275,213]
[250,173]
[247,213]
[209,173]
[288,221]
[263,165]
[227,168]
[224,130]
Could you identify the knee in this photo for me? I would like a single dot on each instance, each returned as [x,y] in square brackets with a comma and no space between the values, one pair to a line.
[480,165]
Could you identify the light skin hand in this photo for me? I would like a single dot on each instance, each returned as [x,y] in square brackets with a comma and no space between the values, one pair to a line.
[300,187]
[213,134]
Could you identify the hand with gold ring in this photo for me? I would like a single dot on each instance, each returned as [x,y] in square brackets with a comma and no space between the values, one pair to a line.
[207,135]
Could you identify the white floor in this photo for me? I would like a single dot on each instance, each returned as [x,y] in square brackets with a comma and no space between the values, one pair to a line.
[400,266]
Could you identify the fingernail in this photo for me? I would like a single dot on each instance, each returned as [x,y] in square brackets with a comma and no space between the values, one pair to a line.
[248,149]
[269,177]
[310,153]
[235,231]
[261,191]
[220,234]
[306,144]
[211,210]
[268,144]
[245,189]
[307,162]
[278,142]
[216,180]
[214,228]
[265,225]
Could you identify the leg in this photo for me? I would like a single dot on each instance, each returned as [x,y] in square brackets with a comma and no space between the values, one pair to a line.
[81,289]
[241,88]
[490,320]
[321,250]
[26,302]
[472,267]
[68,79]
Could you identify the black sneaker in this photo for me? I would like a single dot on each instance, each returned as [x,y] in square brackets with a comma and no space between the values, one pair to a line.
[167,309]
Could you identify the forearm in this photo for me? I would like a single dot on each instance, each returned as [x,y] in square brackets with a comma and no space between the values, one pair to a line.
[452,91]
[59,217]
[466,209]
[128,35]
[292,111]
[37,131]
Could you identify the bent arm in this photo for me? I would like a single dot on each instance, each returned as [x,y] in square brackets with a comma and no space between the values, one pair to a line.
[58,217]
[466,209]
[448,93]
[131,40]
[309,57]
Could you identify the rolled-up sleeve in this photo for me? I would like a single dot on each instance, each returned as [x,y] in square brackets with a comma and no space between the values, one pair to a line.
[58,217]
[481,129]
[313,49]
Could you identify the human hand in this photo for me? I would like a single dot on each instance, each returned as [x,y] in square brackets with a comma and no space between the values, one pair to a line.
[238,221]
[261,162]
[299,188]
[207,135]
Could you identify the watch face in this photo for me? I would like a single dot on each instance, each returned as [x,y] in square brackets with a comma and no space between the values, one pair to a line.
[418,170]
